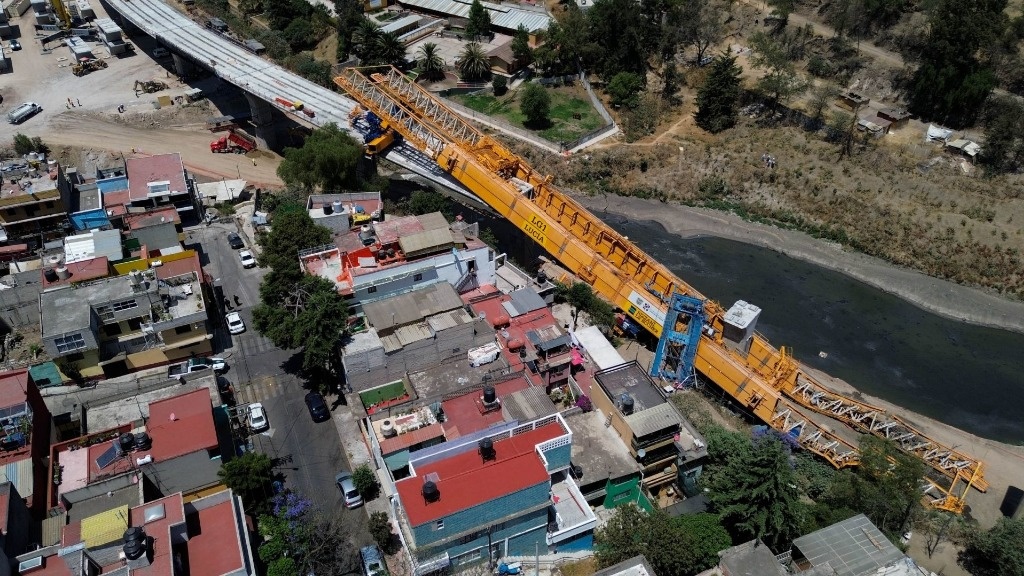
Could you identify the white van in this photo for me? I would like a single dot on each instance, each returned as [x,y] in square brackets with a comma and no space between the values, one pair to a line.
[23,112]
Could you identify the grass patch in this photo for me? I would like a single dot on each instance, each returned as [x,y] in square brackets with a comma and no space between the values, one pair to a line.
[565,103]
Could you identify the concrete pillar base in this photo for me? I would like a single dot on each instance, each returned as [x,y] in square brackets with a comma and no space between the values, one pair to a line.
[182,67]
[263,121]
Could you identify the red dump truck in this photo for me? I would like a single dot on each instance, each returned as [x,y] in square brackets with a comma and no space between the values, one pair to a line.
[233,142]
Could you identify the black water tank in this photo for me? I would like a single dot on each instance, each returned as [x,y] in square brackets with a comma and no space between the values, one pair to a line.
[1011,502]
[542,276]
[50,274]
[328,209]
[487,449]
[143,441]
[627,404]
[134,533]
[430,492]
[489,395]
[127,441]
[576,470]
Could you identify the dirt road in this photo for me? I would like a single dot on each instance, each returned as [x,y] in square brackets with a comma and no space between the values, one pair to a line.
[84,129]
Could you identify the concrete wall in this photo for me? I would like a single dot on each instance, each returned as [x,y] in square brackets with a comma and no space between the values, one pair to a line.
[514,536]
[438,268]
[484,514]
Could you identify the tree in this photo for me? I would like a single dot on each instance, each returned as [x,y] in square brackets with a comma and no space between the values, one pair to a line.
[671,80]
[707,538]
[499,84]
[818,103]
[842,127]
[299,34]
[305,65]
[431,65]
[327,161]
[389,49]
[754,497]
[24,144]
[621,36]
[379,527]
[365,481]
[249,475]
[718,98]
[293,230]
[364,38]
[998,552]
[350,16]
[479,23]
[535,104]
[780,81]
[427,201]
[1004,145]
[624,89]
[955,76]
[311,542]
[521,46]
[473,62]
[311,315]
[707,30]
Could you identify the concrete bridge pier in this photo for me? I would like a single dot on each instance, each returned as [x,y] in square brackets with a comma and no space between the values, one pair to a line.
[263,121]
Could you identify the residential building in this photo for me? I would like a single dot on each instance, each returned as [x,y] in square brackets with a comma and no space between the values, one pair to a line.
[161,180]
[658,437]
[15,524]
[402,254]
[470,500]
[747,559]
[853,547]
[602,465]
[35,210]
[635,566]
[25,431]
[174,446]
[111,326]
[341,212]
[172,534]
[154,232]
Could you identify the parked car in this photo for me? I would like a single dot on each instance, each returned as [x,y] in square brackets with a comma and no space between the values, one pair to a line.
[373,561]
[348,490]
[15,45]
[193,365]
[235,241]
[160,52]
[317,407]
[248,261]
[235,323]
[258,418]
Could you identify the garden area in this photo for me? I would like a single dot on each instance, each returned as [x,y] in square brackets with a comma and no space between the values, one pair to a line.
[570,113]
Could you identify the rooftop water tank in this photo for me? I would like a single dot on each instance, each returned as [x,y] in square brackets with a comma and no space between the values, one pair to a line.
[336,206]
[489,395]
[627,404]
[515,344]
[387,429]
[501,320]
[50,275]
[328,210]
[63,273]
[430,492]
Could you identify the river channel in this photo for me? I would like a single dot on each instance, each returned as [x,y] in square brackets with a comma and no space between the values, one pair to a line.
[965,375]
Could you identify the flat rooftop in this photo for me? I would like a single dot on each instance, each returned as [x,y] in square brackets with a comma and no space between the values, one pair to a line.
[166,168]
[597,449]
[466,414]
[110,408]
[181,424]
[630,379]
[853,547]
[452,377]
[216,547]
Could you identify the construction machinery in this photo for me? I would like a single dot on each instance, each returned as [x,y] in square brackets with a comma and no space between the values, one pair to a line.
[699,334]
[86,65]
[149,86]
[378,133]
[233,141]
[63,15]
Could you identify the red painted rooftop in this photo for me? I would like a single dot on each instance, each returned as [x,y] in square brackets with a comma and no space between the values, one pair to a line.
[464,415]
[517,327]
[466,481]
[5,500]
[114,202]
[214,549]
[159,534]
[90,269]
[142,171]
[179,267]
[402,441]
[152,218]
[13,387]
[190,430]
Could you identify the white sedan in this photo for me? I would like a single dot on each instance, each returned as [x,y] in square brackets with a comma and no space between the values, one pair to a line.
[248,261]
[235,323]
[258,418]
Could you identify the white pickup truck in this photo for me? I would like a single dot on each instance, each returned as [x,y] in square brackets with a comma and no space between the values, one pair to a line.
[193,365]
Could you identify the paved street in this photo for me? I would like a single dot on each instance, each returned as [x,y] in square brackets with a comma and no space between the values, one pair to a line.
[308,454]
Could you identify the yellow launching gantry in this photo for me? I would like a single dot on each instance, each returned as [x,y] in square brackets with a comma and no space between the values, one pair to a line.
[766,381]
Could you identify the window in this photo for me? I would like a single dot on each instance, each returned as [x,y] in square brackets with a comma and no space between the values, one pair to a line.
[112,329]
[125,305]
[10,212]
[183,329]
[417,277]
[49,204]
[69,343]
[135,324]
[371,289]
[75,357]
[439,525]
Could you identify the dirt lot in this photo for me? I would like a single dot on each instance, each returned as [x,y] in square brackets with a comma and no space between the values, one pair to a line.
[45,77]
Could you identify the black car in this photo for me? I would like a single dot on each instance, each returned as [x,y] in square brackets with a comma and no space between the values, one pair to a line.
[235,241]
[317,407]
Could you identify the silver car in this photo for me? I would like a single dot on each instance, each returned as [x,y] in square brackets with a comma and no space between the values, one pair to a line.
[348,489]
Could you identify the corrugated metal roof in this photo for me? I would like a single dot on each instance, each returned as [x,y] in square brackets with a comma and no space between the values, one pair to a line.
[653,419]
[433,221]
[523,301]
[390,313]
[414,333]
[527,405]
[53,526]
[105,527]
[502,16]
[20,474]
[598,347]
[853,547]
[449,320]
[391,343]
[425,242]
[400,24]
[93,244]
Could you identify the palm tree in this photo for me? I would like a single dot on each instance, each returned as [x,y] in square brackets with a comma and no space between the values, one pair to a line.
[365,39]
[473,63]
[389,49]
[430,62]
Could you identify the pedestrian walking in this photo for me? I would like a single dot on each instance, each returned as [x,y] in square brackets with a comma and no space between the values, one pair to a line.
[79,101]
[69,101]
[238,301]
